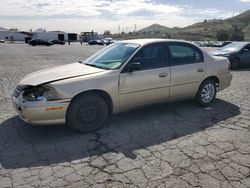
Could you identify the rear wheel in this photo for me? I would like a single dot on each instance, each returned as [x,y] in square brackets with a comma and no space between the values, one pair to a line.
[206,93]
[235,64]
[87,113]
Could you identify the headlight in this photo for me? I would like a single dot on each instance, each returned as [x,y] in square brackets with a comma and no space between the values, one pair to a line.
[39,93]
[49,95]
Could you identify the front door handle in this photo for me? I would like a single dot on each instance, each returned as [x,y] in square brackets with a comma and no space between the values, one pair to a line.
[200,70]
[163,75]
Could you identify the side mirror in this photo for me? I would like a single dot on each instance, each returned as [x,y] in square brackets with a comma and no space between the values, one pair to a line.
[245,51]
[135,66]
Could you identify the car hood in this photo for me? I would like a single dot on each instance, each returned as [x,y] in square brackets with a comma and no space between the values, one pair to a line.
[220,52]
[59,73]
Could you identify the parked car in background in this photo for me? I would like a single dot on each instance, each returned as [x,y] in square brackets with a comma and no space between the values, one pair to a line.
[123,76]
[238,53]
[2,41]
[35,42]
[55,41]
[226,43]
[95,42]
[216,44]
[108,41]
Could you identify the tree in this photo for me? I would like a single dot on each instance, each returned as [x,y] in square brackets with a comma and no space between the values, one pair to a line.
[107,32]
[237,33]
[222,35]
[237,36]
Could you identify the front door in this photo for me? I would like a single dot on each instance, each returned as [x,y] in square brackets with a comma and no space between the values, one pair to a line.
[149,84]
[187,70]
[245,55]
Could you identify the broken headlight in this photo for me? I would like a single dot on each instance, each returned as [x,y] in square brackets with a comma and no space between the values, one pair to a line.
[39,93]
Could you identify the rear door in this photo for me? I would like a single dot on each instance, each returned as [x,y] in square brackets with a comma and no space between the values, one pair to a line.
[187,69]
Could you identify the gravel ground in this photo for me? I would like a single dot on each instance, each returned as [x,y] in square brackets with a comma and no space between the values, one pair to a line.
[168,145]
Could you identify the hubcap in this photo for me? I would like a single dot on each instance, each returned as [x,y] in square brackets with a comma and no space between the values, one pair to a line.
[208,93]
[87,113]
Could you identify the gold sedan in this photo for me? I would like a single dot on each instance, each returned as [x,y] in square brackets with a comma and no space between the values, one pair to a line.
[123,76]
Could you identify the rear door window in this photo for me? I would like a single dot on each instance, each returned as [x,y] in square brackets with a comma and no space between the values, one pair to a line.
[182,54]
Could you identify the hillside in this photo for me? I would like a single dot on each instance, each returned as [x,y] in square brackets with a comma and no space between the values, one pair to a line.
[208,29]
[244,22]
[243,18]
[205,30]
[156,28]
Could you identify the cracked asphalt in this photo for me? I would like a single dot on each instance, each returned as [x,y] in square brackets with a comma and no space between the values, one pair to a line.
[168,145]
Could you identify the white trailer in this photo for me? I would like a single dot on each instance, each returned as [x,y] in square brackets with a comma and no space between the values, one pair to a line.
[50,35]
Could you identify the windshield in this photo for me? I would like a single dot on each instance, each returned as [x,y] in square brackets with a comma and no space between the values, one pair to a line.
[235,46]
[112,56]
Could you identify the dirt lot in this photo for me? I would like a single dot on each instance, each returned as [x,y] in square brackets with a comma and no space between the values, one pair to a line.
[169,145]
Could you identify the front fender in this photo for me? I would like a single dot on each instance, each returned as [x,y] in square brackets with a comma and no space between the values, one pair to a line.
[69,88]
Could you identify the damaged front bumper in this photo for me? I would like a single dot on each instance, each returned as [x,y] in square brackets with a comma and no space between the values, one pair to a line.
[41,112]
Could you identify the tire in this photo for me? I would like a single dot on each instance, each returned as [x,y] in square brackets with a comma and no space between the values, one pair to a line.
[235,63]
[206,93]
[87,113]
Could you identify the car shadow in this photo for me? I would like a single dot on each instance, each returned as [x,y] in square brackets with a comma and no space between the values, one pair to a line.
[23,145]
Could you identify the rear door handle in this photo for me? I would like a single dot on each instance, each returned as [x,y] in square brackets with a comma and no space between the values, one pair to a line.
[162,75]
[200,70]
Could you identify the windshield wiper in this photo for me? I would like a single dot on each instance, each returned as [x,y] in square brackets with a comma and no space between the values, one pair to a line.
[89,64]
[93,65]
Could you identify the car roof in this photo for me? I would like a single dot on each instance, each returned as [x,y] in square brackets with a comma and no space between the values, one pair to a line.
[143,42]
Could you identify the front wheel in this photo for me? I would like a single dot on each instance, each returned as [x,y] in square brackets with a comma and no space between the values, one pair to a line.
[235,64]
[206,93]
[87,113]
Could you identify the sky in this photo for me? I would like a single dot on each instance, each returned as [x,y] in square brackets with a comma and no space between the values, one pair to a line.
[100,15]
